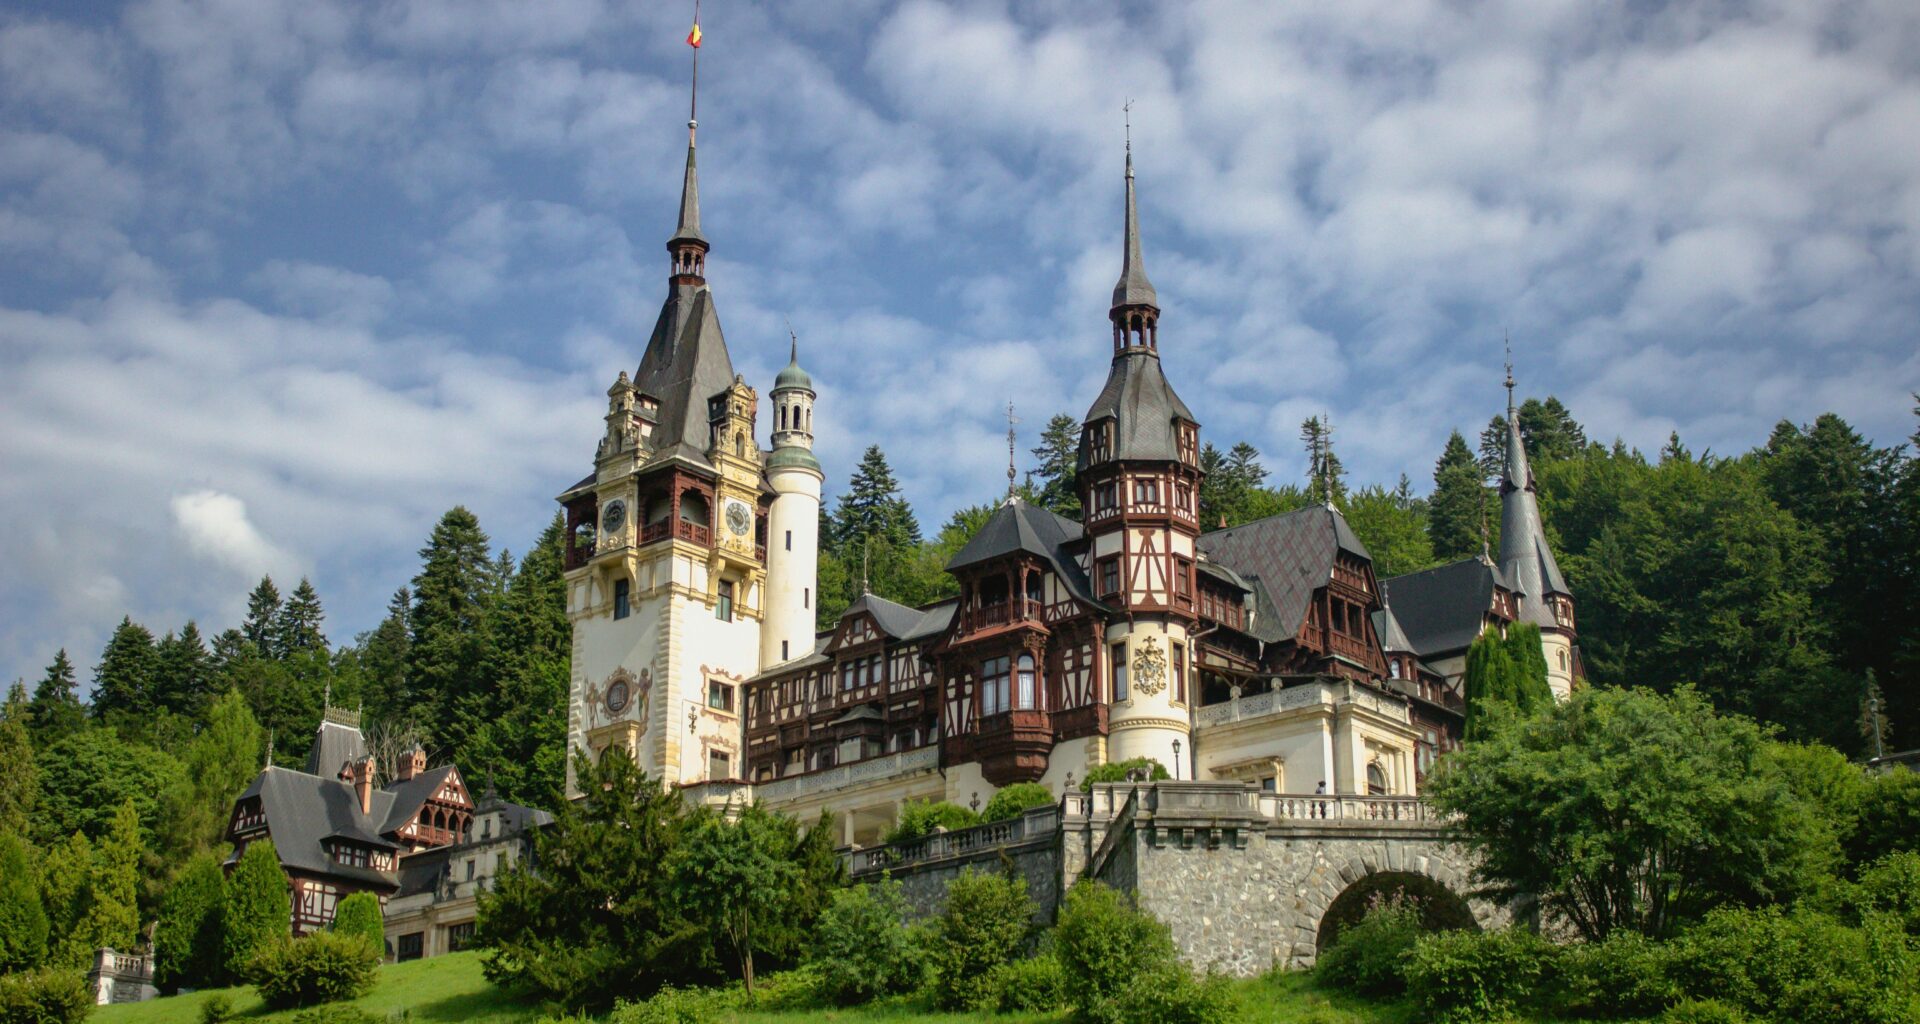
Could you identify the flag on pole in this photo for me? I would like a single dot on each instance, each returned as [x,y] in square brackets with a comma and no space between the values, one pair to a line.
[693,37]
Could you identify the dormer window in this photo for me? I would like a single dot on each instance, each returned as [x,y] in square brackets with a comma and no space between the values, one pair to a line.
[1188,437]
[1099,441]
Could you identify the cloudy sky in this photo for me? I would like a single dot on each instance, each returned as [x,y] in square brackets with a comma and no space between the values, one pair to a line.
[282,280]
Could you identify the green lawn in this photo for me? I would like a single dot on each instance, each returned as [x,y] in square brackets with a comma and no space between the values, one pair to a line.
[451,988]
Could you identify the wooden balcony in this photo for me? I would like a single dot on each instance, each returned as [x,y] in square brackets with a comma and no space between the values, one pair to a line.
[1012,746]
[991,616]
[693,531]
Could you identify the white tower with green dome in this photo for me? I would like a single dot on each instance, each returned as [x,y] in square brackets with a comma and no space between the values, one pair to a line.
[793,524]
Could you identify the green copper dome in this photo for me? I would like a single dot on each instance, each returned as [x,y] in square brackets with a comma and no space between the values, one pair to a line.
[792,457]
[793,376]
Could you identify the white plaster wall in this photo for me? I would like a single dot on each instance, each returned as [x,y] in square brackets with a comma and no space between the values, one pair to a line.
[602,644]
[705,644]
[1558,648]
[791,574]
[1296,740]
[1146,725]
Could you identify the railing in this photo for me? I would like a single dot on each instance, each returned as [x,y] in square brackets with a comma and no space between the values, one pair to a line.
[1114,801]
[760,553]
[693,531]
[1041,823]
[849,774]
[1273,702]
[1019,609]
[1329,807]
[655,531]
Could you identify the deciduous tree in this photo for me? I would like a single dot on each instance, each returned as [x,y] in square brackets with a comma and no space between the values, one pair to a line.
[735,878]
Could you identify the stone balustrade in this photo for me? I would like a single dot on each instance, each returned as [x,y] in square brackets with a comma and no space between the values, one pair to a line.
[853,774]
[1302,695]
[1038,824]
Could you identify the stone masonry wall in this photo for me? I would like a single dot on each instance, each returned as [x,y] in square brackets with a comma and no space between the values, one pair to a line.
[924,885]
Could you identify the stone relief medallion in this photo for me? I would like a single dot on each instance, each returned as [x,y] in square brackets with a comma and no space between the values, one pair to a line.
[1149,666]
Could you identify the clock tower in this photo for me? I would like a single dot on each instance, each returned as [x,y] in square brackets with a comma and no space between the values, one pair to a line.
[666,558]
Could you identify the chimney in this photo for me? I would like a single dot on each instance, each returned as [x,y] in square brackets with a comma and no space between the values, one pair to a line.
[363,783]
[412,763]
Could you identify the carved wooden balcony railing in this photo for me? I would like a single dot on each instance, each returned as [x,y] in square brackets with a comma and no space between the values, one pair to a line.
[988,616]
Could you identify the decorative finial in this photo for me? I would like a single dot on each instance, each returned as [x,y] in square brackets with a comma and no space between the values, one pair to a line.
[269,763]
[1486,552]
[866,552]
[1126,117]
[1010,449]
[1508,340]
[793,351]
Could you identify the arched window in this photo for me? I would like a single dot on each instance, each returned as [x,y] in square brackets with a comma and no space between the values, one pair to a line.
[1376,779]
[1027,693]
[693,509]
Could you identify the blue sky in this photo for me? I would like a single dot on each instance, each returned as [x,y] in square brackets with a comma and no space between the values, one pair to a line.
[282,280]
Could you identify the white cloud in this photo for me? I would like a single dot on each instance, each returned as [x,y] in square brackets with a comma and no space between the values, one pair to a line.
[216,527]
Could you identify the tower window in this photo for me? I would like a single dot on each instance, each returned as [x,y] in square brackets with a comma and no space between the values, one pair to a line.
[1179,674]
[1027,694]
[993,686]
[719,695]
[1119,656]
[806,597]
[723,608]
[1146,492]
[621,605]
[789,540]
[1109,576]
[783,650]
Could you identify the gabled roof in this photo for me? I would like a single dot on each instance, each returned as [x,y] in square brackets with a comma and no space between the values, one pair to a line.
[686,363]
[1441,610]
[303,811]
[1017,526]
[894,619]
[407,796]
[334,745]
[1288,557]
[1386,626]
[1143,406]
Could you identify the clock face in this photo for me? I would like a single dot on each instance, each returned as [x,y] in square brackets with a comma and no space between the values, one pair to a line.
[614,517]
[617,695]
[738,518]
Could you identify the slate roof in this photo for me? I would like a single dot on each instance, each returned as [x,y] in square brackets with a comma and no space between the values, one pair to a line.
[1287,557]
[1525,557]
[409,795]
[305,810]
[686,363]
[894,619]
[1144,408]
[1440,610]
[1133,288]
[1018,526]
[688,230]
[1386,626]
[334,746]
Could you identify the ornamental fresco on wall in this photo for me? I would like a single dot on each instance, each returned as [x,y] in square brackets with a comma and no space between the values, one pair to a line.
[1149,666]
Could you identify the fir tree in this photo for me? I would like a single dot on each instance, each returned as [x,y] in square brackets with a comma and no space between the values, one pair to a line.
[19,775]
[1453,511]
[231,650]
[296,626]
[23,920]
[1531,691]
[123,681]
[63,894]
[56,709]
[258,910]
[183,672]
[1326,476]
[1547,429]
[112,917]
[382,657]
[451,596]
[1059,453]
[189,950]
[263,612]
[517,726]
[872,508]
[1491,678]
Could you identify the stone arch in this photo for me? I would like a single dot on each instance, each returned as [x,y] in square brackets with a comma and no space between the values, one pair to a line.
[1344,863]
[1441,909]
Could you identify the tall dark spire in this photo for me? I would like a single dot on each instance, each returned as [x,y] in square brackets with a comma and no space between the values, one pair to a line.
[1133,292]
[1525,557]
[688,246]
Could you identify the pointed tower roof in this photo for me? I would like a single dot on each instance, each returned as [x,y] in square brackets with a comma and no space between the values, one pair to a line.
[1526,560]
[793,376]
[689,227]
[1133,288]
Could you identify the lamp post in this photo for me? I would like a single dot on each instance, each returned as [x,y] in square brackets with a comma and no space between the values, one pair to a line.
[1176,759]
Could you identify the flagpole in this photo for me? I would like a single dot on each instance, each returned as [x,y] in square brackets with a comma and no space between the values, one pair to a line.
[693,101]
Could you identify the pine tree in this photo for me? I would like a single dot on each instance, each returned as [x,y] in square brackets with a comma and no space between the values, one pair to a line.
[1059,453]
[872,508]
[55,710]
[451,597]
[381,657]
[1326,476]
[23,920]
[258,909]
[517,726]
[123,682]
[231,649]
[296,626]
[263,611]
[1453,511]
[63,893]
[112,916]
[1548,430]
[188,948]
[19,775]
[183,672]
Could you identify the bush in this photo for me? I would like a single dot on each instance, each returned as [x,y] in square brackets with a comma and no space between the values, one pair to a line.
[1805,967]
[320,968]
[1016,800]
[188,940]
[1702,1011]
[919,818]
[798,989]
[1370,957]
[257,909]
[1104,943]
[336,1015]
[1891,885]
[673,1005]
[986,921]
[1168,994]
[1116,771]
[861,949]
[44,997]
[1037,984]
[359,915]
[1625,975]
[1478,976]
[218,1009]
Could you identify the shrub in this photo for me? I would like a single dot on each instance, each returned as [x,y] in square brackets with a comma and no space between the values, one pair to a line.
[1702,1011]
[318,968]
[986,921]
[1805,967]
[359,915]
[44,997]
[1624,975]
[1891,885]
[1168,994]
[336,1015]
[1037,984]
[1103,943]
[1016,800]
[218,1009]
[1116,771]
[1370,957]
[919,818]
[188,940]
[861,949]
[797,989]
[257,909]
[673,1005]
[1477,976]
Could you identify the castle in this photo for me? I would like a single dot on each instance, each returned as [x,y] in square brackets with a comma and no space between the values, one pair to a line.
[1268,653]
